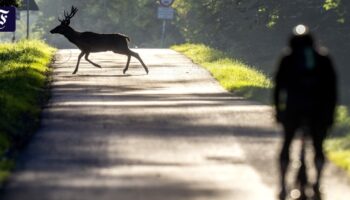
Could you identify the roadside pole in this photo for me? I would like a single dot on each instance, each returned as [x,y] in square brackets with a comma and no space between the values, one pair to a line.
[27,4]
[165,12]
[18,17]
[163,33]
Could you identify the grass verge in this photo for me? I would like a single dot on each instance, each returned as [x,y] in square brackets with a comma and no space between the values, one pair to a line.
[246,81]
[338,145]
[23,80]
[232,74]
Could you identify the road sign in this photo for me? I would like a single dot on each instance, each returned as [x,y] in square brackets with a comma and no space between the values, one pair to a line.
[31,5]
[166,3]
[165,13]
[28,5]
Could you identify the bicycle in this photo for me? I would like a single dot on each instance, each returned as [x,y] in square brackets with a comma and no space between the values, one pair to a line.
[303,189]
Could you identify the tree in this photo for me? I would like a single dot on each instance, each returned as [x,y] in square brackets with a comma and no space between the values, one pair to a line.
[256,30]
[15,3]
[136,19]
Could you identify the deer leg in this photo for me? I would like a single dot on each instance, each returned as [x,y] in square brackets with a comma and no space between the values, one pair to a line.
[127,64]
[137,56]
[79,57]
[87,59]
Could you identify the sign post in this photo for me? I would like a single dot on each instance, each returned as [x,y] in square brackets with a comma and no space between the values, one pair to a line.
[18,17]
[165,12]
[29,5]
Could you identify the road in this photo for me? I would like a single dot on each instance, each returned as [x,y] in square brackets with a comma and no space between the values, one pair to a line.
[174,134]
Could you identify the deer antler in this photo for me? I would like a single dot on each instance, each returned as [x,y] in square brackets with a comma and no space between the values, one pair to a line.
[67,16]
[72,13]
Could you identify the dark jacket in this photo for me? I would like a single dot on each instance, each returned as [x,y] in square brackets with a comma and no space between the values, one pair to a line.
[305,87]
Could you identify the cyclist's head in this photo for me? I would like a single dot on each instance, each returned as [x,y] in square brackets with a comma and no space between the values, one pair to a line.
[301,38]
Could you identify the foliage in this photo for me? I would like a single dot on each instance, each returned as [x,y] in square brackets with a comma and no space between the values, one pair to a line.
[338,151]
[23,78]
[23,68]
[10,3]
[233,75]
[237,77]
[199,53]
[338,145]
[342,115]
[341,158]
[252,30]
[5,167]
[256,30]
[224,23]
[137,19]
[331,4]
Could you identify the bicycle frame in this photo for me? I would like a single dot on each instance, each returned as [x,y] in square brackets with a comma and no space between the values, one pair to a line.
[302,177]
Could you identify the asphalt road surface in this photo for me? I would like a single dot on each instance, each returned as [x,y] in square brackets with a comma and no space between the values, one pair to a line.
[174,134]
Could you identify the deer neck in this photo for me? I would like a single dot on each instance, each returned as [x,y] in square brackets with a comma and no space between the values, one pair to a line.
[71,35]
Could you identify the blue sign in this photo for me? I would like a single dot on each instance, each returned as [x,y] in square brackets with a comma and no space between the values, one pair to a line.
[7,19]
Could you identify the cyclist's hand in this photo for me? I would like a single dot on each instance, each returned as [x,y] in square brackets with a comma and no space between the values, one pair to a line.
[280,116]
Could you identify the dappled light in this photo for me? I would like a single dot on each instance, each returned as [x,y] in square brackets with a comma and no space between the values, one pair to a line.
[174,132]
[156,135]
[174,100]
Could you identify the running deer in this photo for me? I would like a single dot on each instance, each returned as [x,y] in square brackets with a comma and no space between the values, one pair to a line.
[89,42]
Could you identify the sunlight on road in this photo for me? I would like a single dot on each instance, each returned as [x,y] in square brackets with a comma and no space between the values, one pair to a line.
[174,134]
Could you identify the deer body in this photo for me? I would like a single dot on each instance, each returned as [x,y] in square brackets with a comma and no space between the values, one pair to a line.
[89,42]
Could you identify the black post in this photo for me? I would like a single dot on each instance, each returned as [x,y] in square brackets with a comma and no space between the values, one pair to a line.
[27,19]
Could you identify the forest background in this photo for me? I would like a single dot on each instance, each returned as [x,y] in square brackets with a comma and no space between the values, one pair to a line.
[253,31]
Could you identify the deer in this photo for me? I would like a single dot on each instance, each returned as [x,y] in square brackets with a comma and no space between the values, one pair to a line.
[90,42]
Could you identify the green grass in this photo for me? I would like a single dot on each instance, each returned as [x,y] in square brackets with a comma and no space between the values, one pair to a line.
[338,151]
[232,74]
[23,79]
[338,145]
[244,80]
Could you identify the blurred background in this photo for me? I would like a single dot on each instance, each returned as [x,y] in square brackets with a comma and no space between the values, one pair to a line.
[254,31]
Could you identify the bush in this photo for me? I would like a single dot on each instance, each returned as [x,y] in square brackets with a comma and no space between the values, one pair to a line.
[23,77]
[232,74]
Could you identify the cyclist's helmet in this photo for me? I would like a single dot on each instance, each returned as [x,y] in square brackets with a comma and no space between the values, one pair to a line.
[301,37]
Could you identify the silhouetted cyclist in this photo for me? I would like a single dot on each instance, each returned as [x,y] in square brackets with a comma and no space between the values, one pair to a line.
[304,96]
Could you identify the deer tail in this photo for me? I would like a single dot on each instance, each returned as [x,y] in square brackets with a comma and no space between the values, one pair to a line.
[124,36]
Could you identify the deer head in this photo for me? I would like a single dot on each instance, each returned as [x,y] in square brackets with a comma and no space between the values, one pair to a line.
[65,22]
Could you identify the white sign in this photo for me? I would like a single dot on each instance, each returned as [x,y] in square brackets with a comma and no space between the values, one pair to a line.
[165,13]
[166,3]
